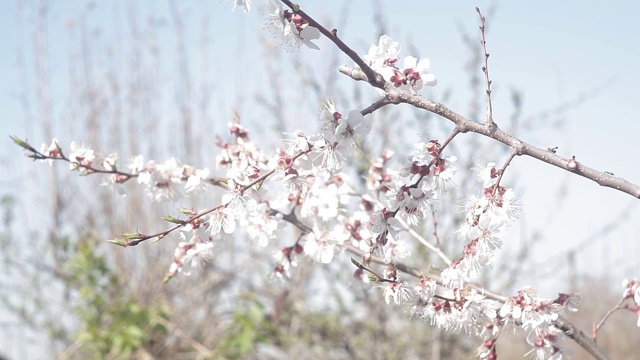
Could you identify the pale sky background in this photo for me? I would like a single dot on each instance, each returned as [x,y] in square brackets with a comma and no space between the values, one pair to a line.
[552,51]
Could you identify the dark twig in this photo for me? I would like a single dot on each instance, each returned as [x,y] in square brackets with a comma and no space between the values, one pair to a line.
[87,169]
[375,106]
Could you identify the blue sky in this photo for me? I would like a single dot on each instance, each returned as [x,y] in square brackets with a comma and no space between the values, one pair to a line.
[552,51]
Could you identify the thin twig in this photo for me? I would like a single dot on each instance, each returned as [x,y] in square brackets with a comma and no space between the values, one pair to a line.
[485,69]
[436,234]
[513,154]
[606,316]
[424,242]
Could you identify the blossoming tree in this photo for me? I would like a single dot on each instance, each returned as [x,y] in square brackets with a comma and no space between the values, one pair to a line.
[303,185]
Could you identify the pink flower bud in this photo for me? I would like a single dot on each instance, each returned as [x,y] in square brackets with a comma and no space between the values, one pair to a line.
[573,164]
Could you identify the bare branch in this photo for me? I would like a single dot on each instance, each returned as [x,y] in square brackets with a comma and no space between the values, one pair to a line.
[485,69]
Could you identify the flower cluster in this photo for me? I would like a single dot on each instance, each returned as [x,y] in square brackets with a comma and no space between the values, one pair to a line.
[468,310]
[240,157]
[169,180]
[383,59]
[392,287]
[51,151]
[537,315]
[426,176]
[243,164]
[192,253]
[339,137]
[486,222]
[394,195]
[291,28]
[80,158]
[460,310]
[165,181]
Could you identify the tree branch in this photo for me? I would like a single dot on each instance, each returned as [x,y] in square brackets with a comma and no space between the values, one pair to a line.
[602,178]
[580,338]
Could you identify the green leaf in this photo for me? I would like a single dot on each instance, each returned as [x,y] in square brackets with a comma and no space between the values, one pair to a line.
[188,212]
[132,236]
[171,219]
[20,143]
[119,242]
[167,278]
